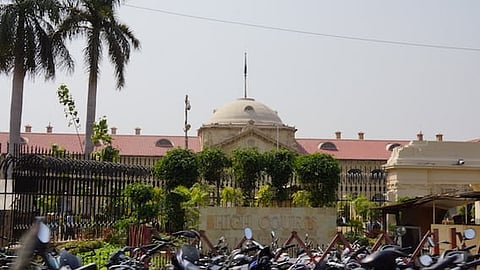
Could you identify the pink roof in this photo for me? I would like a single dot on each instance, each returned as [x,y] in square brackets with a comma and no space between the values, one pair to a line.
[145,145]
[351,149]
[129,145]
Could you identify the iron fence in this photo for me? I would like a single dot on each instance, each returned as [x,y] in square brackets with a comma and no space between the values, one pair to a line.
[82,199]
[78,198]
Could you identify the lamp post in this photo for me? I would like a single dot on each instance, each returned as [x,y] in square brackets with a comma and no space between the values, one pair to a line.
[187,126]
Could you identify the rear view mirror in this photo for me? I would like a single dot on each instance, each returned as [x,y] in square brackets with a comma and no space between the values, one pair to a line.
[43,233]
[248,233]
[425,260]
[469,234]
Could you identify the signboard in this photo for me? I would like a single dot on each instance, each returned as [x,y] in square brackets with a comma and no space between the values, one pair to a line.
[318,223]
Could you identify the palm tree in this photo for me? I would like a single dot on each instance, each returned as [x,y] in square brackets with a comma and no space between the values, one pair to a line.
[96,21]
[28,45]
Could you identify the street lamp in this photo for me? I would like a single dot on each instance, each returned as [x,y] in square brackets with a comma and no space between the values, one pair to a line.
[187,126]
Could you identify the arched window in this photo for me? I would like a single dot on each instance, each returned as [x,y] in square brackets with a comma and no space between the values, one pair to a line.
[354,175]
[164,143]
[391,146]
[377,174]
[248,109]
[354,171]
[327,146]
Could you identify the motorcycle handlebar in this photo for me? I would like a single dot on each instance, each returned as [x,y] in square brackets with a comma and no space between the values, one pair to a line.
[468,248]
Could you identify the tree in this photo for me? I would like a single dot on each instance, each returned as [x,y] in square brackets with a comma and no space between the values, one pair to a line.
[66,99]
[96,21]
[363,207]
[231,196]
[265,196]
[247,164]
[101,137]
[279,164]
[28,45]
[212,163]
[320,174]
[145,208]
[301,198]
[196,196]
[178,168]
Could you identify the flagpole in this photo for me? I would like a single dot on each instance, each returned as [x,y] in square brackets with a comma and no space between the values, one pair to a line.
[245,77]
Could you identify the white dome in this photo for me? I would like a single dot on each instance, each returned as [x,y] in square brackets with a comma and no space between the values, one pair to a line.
[244,110]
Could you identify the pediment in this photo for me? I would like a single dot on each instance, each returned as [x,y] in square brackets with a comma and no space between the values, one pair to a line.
[249,133]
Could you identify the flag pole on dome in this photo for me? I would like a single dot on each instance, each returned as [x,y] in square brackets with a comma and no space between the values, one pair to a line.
[245,76]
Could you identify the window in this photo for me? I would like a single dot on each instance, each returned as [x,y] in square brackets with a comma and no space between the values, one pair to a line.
[164,143]
[377,174]
[391,146]
[248,109]
[354,171]
[327,146]
[354,175]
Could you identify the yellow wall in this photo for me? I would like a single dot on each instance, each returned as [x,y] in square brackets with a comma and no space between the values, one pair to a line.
[423,168]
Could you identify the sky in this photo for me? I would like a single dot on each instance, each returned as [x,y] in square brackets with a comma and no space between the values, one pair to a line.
[390,69]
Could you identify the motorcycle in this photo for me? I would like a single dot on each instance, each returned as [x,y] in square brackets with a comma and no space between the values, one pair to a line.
[187,256]
[35,242]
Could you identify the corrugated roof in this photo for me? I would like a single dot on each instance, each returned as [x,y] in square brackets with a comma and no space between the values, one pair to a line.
[438,201]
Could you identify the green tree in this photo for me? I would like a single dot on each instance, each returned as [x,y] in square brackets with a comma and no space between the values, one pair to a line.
[96,20]
[175,213]
[58,150]
[144,207]
[363,207]
[70,110]
[247,164]
[320,174]
[178,168]
[279,165]
[101,137]
[301,198]
[212,163]
[265,196]
[196,196]
[28,45]
[231,196]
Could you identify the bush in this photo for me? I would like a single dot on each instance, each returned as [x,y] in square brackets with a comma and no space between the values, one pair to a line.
[91,251]
[265,196]
[79,246]
[361,239]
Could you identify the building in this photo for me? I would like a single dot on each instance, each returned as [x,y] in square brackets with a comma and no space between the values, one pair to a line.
[246,122]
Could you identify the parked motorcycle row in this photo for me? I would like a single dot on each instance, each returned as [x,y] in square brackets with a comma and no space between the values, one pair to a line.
[252,255]
[187,253]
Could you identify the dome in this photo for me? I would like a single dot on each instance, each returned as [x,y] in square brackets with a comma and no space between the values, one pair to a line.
[242,111]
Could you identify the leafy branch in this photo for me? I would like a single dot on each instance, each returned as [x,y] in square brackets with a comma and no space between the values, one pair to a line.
[66,99]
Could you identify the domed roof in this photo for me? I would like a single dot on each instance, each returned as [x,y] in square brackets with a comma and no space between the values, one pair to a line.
[242,111]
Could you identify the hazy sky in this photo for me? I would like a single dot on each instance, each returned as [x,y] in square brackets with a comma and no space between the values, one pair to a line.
[387,68]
